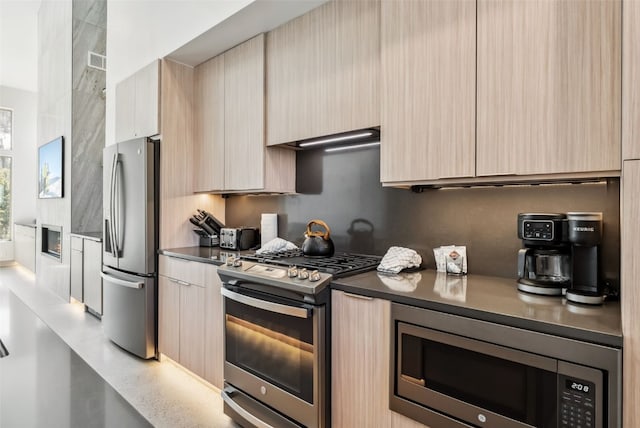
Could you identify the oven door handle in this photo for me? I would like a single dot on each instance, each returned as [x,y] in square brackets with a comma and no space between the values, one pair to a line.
[299,312]
[228,400]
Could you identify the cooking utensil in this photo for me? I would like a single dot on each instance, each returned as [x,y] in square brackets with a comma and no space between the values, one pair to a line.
[318,243]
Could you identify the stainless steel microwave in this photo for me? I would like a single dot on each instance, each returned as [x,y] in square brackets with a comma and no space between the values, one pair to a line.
[453,371]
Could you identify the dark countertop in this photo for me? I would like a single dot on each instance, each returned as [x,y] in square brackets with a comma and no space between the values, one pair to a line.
[213,255]
[487,298]
[492,299]
[94,236]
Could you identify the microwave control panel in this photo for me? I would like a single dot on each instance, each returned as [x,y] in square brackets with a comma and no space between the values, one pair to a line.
[577,400]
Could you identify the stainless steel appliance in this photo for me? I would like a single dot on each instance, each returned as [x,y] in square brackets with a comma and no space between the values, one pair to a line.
[544,265]
[130,245]
[585,235]
[277,324]
[239,238]
[453,371]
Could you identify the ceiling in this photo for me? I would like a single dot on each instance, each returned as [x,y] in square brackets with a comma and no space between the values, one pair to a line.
[19,44]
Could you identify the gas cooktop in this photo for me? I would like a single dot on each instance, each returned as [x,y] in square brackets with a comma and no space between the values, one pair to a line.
[339,265]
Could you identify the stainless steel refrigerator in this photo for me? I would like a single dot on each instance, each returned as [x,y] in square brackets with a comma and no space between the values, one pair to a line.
[130,244]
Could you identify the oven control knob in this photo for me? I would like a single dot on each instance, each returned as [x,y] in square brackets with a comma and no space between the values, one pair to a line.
[263,390]
[314,276]
[237,262]
[303,273]
[292,271]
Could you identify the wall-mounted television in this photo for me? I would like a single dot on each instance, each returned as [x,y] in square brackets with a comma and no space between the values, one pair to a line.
[51,169]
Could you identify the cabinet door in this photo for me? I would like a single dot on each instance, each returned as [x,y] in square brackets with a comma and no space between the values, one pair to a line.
[428,90]
[125,109]
[76,268]
[25,246]
[359,361]
[92,281]
[244,115]
[214,329]
[169,317]
[630,81]
[209,125]
[356,102]
[147,98]
[300,77]
[630,300]
[192,304]
[548,86]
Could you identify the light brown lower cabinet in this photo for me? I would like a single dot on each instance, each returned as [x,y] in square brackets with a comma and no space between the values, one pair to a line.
[360,344]
[190,317]
[629,292]
[359,361]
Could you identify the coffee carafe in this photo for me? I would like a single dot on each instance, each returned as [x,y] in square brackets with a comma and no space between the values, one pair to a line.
[585,235]
[544,265]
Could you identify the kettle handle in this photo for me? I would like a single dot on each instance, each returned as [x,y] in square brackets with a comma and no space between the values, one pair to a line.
[324,235]
[522,257]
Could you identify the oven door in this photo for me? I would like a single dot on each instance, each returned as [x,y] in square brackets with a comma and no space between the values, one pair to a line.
[477,382]
[274,352]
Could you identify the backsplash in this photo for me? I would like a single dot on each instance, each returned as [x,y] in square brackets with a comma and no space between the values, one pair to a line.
[344,190]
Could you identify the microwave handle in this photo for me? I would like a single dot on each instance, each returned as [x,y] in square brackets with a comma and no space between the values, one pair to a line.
[299,312]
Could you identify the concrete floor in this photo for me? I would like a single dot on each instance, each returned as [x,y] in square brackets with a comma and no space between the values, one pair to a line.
[92,382]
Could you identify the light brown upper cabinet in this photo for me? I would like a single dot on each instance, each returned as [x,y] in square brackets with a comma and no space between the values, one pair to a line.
[323,72]
[209,125]
[229,126]
[548,87]
[630,81]
[137,109]
[428,90]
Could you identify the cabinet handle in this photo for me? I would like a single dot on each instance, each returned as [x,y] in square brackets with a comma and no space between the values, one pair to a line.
[357,296]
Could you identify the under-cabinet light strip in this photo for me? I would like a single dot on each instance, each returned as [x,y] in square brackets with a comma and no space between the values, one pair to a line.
[336,139]
[353,146]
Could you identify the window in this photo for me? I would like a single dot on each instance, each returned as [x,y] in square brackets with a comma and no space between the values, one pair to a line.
[6,141]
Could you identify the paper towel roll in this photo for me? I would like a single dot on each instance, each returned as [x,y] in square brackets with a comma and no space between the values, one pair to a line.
[268,227]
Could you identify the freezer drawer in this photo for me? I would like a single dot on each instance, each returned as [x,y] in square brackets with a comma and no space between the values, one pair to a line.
[129,314]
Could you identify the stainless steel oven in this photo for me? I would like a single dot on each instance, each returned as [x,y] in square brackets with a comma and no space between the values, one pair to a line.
[453,371]
[276,356]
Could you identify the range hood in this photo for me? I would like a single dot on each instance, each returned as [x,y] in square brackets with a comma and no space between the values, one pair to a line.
[356,139]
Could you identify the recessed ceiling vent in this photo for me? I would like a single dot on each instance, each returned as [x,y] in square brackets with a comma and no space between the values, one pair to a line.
[95,60]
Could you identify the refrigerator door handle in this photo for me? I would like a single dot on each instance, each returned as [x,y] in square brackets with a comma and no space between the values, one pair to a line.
[112,234]
[124,283]
[116,206]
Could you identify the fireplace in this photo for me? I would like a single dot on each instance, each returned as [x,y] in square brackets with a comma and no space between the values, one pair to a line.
[52,241]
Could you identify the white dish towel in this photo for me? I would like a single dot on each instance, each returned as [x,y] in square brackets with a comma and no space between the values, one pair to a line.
[399,258]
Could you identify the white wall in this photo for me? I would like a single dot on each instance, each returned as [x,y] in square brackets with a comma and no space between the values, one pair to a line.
[24,104]
[18,44]
[140,31]
[25,108]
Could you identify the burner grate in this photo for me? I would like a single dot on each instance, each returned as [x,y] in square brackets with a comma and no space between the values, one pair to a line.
[339,265]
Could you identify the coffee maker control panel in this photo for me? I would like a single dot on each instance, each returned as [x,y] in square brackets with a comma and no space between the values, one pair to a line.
[538,229]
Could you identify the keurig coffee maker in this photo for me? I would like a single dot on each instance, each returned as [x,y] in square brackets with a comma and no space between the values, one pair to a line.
[584,234]
[544,265]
